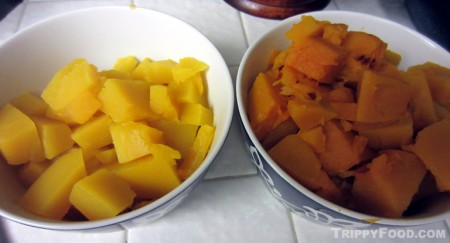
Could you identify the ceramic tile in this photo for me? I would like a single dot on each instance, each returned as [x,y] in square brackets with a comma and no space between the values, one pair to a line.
[311,232]
[37,11]
[222,25]
[18,233]
[390,9]
[233,159]
[224,210]
[10,24]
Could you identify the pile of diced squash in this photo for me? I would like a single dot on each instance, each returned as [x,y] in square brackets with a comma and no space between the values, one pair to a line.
[95,144]
[338,115]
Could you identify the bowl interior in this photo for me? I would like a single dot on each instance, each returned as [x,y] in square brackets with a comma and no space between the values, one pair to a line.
[30,58]
[412,46]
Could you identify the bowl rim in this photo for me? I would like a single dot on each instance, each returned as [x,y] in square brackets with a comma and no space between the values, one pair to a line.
[302,189]
[189,183]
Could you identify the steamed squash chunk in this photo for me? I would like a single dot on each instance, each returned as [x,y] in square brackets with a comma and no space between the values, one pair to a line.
[315,137]
[391,135]
[335,33]
[196,114]
[125,100]
[79,110]
[70,81]
[126,64]
[107,156]
[308,114]
[298,159]
[19,138]
[342,149]
[148,177]
[279,132]
[93,134]
[162,103]
[388,186]
[432,148]
[365,48]
[316,58]
[197,152]
[29,172]
[423,112]
[49,195]
[438,78]
[192,90]
[54,135]
[186,68]
[101,195]
[263,116]
[178,135]
[382,98]
[307,27]
[133,140]
[30,104]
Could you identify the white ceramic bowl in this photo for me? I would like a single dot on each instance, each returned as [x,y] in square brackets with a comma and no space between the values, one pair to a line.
[30,58]
[414,49]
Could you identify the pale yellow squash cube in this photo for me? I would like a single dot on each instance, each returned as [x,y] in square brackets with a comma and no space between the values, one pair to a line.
[69,82]
[164,152]
[101,195]
[196,114]
[54,135]
[29,172]
[192,90]
[49,194]
[139,72]
[178,135]
[126,100]
[133,140]
[150,178]
[107,156]
[30,104]
[93,134]
[91,163]
[19,138]
[126,64]
[157,72]
[161,103]
[79,110]
[186,68]
[197,151]
[113,74]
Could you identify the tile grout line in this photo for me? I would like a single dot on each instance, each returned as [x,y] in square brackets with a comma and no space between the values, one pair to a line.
[291,221]
[243,28]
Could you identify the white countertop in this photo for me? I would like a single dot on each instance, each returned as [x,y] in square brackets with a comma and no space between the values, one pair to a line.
[231,204]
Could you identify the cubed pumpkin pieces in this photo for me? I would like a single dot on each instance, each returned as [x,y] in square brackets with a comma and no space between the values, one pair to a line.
[392,135]
[126,64]
[77,111]
[365,48]
[197,152]
[107,156]
[55,136]
[196,114]
[308,114]
[186,68]
[298,159]
[93,134]
[431,147]
[307,27]
[438,80]
[30,104]
[49,194]
[19,137]
[70,81]
[192,90]
[279,132]
[133,140]
[343,149]
[162,103]
[155,72]
[149,177]
[125,100]
[177,135]
[316,58]
[101,195]
[315,137]
[389,184]
[334,33]
[29,172]
[381,98]
[422,105]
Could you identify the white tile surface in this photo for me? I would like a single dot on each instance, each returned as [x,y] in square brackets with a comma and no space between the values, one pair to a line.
[224,210]
[215,19]
[18,233]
